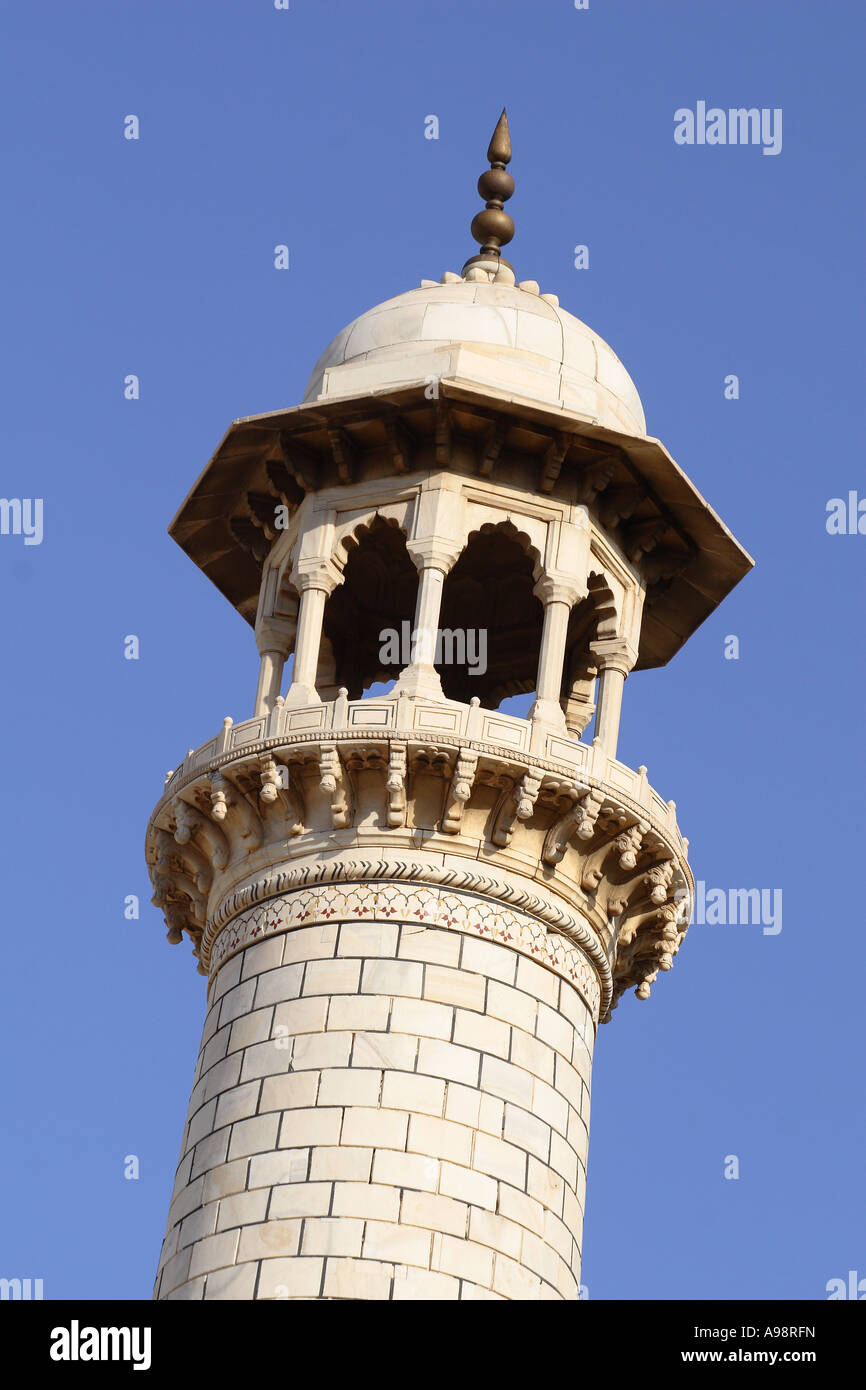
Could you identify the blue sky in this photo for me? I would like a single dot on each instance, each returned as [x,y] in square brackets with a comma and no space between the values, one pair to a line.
[155,257]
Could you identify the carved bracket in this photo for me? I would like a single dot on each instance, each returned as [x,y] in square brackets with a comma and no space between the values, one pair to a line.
[460,790]
[579,818]
[515,805]
[395,785]
[335,785]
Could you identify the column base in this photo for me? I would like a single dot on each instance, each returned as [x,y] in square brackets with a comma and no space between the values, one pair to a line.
[299,695]
[419,679]
[549,713]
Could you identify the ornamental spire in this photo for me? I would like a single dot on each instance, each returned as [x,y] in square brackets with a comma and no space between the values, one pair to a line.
[493,228]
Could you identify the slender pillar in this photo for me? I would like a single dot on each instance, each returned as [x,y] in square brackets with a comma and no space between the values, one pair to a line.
[314,591]
[273,639]
[557,600]
[420,677]
[615,660]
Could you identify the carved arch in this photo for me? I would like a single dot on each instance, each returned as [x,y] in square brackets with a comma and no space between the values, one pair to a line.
[491,619]
[366,614]
[594,618]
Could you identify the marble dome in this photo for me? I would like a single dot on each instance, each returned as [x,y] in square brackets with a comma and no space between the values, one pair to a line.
[505,336]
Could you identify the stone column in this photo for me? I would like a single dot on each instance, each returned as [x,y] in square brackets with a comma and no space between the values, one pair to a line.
[558,599]
[437,539]
[615,660]
[385,1106]
[273,639]
[420,676]
[314,587]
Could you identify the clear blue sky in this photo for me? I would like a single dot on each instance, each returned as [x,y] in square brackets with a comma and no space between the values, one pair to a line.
[156,258]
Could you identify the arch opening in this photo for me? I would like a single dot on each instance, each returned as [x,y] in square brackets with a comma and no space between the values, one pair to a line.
[368,616]
[490,623]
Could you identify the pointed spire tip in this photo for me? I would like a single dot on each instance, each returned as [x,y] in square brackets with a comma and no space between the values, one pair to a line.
[499,149]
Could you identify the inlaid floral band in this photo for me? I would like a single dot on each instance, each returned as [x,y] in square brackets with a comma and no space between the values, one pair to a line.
[383,901]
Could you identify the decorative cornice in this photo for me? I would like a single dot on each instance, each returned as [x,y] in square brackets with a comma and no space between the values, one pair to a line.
[570,849]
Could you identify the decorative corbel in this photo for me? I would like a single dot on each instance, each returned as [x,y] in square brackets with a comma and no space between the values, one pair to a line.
[345,453]
[250,537]
[400,444]
[218,796]
[263,509]
[276,786]
[491,447]
[594,479]
[643,536]
[395,784]
[619,504]
[443,433]
[287,487]
[189,821]
[460,790]
[185,863]
[334,785]
[658,881]
[251,828]
[629,843]
[593,867]
[579,818]
[551,466]
[301,462]
[516,805]
[170,881]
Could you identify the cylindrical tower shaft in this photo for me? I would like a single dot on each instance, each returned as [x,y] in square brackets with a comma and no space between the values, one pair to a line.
[391,1102]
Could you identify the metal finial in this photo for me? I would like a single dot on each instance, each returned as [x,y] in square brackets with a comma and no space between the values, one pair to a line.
[493,228]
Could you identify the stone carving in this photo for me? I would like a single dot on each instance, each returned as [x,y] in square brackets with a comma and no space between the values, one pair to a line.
[241,810]
[491,447]
[460,791]
[515,805]
[212,853]
[277,788]
[396,784]
[335,785]
[219,796]
[190,822]
[579,817]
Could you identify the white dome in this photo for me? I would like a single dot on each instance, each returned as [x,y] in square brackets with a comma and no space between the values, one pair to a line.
[510,338]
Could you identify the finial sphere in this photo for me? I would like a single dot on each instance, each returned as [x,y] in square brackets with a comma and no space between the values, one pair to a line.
[496,185]
[492,228]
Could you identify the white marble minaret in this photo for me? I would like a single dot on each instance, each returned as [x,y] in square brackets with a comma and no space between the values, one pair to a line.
[413,909]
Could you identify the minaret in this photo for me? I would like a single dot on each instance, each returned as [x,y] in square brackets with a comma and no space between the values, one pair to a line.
[413,909]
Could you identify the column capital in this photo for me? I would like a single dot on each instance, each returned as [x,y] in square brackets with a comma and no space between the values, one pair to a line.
[317,572]
[556,587]
[275,635]
[434,552]
[614,654]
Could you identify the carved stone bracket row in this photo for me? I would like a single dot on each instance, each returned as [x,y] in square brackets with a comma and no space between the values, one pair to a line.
[281,809]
